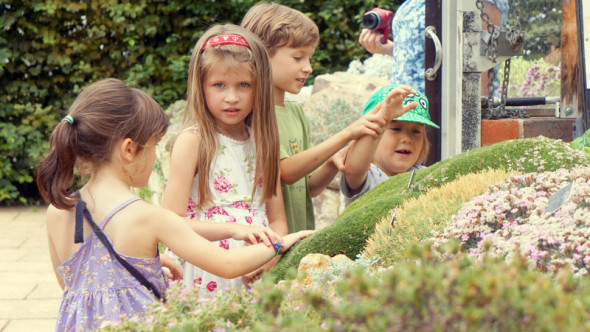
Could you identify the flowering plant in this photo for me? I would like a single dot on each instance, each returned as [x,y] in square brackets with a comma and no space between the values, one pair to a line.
[513,216]
[534,78]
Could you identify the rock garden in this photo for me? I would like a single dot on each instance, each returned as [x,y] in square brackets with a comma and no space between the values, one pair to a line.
[495,238]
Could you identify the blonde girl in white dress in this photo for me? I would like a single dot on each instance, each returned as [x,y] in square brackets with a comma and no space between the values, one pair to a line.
[224,165]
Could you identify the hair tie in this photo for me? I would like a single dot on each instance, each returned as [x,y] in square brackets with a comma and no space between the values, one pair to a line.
[68,119]
[226,40]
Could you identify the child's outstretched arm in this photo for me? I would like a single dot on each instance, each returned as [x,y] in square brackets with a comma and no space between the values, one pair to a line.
[174,232]
[183,168]
[299,165]
[360,154]
[322,177]
[275,211]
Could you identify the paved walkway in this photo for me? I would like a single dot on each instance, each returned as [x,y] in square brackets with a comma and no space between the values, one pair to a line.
[29,293]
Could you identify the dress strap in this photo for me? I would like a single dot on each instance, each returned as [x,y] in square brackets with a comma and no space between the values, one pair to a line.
[79,231]
[117,209]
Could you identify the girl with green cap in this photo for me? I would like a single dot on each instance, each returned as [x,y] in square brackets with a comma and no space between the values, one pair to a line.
[401,147]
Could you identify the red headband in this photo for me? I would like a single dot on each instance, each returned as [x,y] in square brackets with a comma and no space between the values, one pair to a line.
[225,40]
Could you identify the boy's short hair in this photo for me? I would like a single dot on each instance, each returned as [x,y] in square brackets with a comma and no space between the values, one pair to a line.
[280,26]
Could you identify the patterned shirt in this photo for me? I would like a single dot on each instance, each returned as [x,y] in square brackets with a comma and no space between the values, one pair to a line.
[407,30]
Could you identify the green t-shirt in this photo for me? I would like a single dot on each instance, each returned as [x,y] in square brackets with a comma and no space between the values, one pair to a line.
[295,137]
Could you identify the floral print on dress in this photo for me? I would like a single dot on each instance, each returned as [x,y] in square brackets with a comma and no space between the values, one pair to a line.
[240,205]
[191,208]
[222,185]
[215,210]
[99,289]
[231,182]
[211,286]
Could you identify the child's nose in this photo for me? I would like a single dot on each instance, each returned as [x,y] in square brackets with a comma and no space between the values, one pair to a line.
[307,68]
[232,96]
[406,138]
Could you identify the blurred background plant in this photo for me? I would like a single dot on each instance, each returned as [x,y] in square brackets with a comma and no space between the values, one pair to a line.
[534,78]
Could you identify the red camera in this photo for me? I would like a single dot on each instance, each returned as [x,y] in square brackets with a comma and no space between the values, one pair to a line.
[379,20]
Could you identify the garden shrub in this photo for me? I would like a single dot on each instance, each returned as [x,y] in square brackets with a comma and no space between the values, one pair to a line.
[349,233]
[419,218]
[515,216]
[423,293]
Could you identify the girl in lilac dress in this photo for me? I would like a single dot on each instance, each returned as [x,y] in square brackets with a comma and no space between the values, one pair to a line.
[110,134]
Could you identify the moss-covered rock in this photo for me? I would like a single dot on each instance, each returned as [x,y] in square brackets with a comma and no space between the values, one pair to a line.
[349,233]
[420,218]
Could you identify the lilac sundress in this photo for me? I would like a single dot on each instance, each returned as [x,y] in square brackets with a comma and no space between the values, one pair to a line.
[99,289]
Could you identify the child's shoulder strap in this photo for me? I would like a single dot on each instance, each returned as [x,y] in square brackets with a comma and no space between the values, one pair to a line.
[81,212]
[117,209]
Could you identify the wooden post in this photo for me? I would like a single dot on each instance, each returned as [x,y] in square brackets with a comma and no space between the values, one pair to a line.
[570,64]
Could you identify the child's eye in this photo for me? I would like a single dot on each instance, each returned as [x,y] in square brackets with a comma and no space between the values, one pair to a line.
[396,129]
[218,85]
[297,58]
[244,85]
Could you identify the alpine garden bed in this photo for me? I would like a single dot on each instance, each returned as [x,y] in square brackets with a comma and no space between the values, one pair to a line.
[456,251]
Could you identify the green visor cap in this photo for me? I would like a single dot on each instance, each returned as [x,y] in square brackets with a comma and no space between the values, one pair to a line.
[418,114]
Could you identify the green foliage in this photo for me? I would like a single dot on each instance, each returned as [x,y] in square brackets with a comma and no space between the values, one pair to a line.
[582,142]
[541,21]
[50,50]
[421,294]
[349,233]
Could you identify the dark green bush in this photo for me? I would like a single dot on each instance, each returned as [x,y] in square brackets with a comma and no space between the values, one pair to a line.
[349,233]
[50,50]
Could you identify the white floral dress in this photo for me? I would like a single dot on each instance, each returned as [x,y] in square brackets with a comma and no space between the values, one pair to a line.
[231,181]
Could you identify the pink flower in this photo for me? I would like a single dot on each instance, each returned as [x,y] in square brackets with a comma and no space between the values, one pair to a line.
[215,210]
[222,185]
[248,219]
[191,208]
[241,205]
[211,286]
[197,282]
[224,244]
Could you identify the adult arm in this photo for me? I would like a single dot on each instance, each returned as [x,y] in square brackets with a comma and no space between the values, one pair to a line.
[371,41]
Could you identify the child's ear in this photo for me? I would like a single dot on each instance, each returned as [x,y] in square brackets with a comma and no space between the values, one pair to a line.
[128,150]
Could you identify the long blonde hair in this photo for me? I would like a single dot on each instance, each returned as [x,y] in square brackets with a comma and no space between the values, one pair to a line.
[262,119]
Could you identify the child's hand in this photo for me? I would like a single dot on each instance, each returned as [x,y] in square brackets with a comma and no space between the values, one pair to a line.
[172,270]
[256,234]
[290,239]
[370,124]
[339,159]
[392,106]
[253,276]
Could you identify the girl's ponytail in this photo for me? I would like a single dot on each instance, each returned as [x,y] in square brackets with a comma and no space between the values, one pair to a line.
[55,175]
[104,113]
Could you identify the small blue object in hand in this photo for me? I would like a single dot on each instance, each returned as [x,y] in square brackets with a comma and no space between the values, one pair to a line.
[277,246]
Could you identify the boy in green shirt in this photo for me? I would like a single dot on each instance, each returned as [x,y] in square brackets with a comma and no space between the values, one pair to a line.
[290,38]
